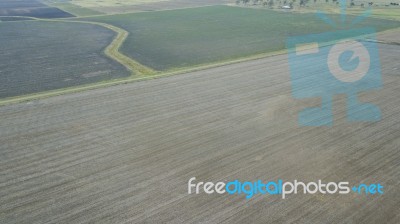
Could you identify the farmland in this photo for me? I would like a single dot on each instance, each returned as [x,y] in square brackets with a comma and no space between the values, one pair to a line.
[380,8]
[37,56]
[123,6]
[124,154]
[71,8]
[123,150]
[32,8]
[160,41]
[171,39]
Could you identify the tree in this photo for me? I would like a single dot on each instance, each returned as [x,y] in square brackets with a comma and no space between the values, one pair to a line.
[303,3]
[271,3]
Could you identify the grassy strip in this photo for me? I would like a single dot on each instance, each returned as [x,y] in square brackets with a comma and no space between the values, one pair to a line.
[112,51]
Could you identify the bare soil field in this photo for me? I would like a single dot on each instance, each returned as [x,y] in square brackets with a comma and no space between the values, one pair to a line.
[32,8]
[36,56]
[390,36]
[124,154]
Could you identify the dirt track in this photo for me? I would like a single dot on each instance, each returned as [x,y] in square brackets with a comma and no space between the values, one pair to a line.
[125,153]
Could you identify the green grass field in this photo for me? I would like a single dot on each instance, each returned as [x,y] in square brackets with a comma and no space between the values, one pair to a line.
[181,38]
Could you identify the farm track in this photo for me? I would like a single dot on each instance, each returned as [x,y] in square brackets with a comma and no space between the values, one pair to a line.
[124,154]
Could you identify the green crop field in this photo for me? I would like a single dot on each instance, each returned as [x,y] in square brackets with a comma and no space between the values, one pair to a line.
[37,56]
[171,39]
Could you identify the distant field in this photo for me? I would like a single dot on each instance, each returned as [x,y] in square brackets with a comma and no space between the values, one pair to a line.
[32,8]
[36,56]
[380,9]
[107,3]
[72,8]
[390,13]
[177,38]
[124,6]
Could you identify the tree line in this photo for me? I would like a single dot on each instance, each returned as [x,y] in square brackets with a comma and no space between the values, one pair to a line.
[301,3]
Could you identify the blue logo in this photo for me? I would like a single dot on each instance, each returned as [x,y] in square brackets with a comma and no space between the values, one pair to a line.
[320,67]
[279,187]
